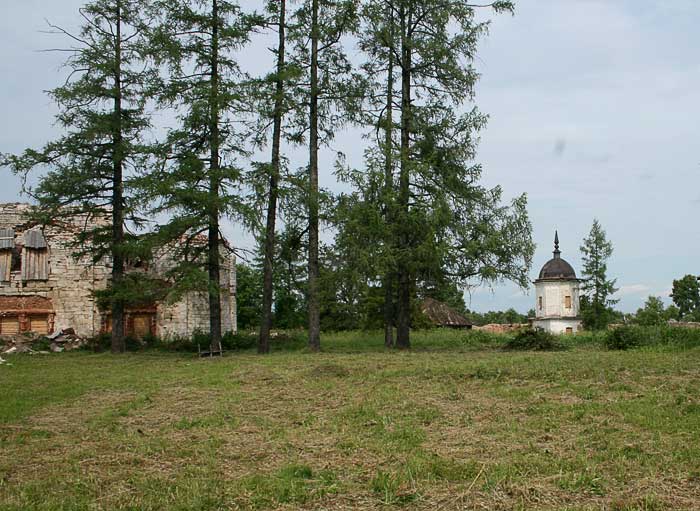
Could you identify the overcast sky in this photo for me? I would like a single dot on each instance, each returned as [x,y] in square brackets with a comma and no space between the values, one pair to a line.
[594,112]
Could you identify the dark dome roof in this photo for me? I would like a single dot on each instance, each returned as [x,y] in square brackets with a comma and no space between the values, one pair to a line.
[557,268]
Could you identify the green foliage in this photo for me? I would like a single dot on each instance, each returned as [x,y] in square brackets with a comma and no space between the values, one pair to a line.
[510,316]
[248,296]
[533,340]
[290,280]
[596,304]
[200,178]
[421,207]
[622,338]
[653,313]
[339,85]
[686,296]
[133,290]
[664,336]
[102,146]
[41,344]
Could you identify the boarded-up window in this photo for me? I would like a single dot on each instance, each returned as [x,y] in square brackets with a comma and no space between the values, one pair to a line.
[141,326]
[35,256]
[567,302]
[7,243]
[138,324]
[5,265]
[39,324]
[569,330]
[9,325]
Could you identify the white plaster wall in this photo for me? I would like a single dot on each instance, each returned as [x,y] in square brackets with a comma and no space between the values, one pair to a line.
[553,295]
[558,326]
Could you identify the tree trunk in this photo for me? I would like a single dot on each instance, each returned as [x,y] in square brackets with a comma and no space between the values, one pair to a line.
[118,330]
[314,302]
[214,261]
[388,193]
[404,298]
[266,322]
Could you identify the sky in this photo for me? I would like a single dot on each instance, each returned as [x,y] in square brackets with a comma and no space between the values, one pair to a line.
[594,110]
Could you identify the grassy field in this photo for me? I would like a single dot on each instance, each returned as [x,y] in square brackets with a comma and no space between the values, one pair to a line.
[451,425]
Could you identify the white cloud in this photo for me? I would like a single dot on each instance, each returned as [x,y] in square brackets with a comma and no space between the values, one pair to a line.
[633,289]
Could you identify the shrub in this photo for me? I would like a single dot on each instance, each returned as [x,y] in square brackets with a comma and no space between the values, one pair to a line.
[239,341]
[481,339]
[180,344]
[677,337]
[99,343]
[41,344]
[533,340]
[622,338]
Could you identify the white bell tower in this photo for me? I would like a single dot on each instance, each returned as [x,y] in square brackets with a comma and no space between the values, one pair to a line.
[557,296]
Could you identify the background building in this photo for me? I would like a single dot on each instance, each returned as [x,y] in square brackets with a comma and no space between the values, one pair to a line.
[44,288]
[557,296]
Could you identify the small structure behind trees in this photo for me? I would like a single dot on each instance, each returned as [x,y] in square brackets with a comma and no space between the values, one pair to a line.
[442,315]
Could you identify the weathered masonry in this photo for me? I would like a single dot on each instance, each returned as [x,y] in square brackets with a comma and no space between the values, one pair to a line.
[44,288]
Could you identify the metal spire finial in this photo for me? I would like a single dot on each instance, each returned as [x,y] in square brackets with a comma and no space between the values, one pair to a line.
[556,244]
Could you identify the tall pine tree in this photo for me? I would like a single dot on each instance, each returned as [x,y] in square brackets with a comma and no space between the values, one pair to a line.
[278,8]
[376,42]
[441,221]
[329,89]
[201,180]
[597,289]
[90,167]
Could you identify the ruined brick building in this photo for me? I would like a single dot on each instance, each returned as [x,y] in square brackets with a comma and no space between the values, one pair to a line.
[44,288]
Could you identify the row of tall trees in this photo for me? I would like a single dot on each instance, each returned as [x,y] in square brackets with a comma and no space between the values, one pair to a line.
[162,127]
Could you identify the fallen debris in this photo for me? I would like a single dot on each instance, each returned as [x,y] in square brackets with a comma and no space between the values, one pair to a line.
[497,328]
[28,342]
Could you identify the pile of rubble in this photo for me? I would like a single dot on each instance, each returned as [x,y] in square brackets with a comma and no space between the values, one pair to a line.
[61,340]
[497,328]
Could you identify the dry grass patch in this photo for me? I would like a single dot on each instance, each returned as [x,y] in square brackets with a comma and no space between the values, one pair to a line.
[479,430]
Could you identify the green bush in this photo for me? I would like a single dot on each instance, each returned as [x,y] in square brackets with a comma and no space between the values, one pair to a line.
[239,341]
[622,338]
[99,343]
[481,339]
[533,340]
[663,336]
[41,344]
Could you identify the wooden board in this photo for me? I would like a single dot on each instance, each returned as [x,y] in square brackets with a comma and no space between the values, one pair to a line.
[39,324]
[9,325]
[141,325]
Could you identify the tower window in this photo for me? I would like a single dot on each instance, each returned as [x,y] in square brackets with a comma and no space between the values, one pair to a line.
[567,302]
[539,302]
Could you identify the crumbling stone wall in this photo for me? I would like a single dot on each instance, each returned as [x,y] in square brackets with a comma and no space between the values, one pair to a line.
[71,282]
[191,313]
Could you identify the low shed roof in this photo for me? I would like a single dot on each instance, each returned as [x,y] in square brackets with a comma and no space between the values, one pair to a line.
[441,314]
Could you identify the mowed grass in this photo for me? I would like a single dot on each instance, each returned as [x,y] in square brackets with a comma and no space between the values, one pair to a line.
[453,424]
